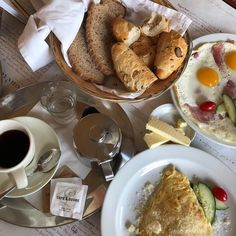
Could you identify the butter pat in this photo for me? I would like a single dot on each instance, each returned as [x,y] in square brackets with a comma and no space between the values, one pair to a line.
[167,131]
[181,123]
[154,140]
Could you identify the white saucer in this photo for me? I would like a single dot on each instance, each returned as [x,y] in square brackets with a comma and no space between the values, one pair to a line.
[169,114]
[45,138]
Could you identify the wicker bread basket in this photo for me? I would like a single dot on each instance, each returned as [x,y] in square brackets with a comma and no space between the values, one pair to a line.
[157,89]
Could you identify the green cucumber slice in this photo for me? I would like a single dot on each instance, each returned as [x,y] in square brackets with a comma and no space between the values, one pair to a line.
[220,205]
[206,200]
[221,109]
[196,190]
[230,108]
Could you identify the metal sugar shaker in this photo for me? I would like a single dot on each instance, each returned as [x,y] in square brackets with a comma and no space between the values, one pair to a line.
[98,139]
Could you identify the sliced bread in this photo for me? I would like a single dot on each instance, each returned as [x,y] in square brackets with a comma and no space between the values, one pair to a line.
[99,33]
[81,61]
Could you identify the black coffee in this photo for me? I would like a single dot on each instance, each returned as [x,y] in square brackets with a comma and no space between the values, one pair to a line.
[14,145]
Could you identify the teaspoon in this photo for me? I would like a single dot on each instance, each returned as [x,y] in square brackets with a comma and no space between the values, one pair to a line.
[46,162]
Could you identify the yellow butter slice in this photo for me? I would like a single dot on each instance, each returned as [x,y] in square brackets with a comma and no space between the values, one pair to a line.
[167,131]
[154,140]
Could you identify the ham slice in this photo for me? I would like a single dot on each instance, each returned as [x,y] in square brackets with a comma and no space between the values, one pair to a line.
[217,51]
[229,88]
[195,54]
[230,41]
[198,114]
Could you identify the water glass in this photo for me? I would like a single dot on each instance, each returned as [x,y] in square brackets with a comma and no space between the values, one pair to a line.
[59,99]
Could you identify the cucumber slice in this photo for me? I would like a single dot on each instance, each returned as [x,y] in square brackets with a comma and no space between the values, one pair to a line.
[220,205]
[230,108]
[221,109]
[207,200]
[195,190]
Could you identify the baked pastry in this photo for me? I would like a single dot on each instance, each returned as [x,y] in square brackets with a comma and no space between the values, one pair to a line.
[81,61]
[145,49]
[155,25]
[125,31]
[130,69]
[170,54]
[99,32]
[173,209]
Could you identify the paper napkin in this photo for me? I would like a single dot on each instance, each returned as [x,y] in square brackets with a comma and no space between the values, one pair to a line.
[177,20]
[63,18]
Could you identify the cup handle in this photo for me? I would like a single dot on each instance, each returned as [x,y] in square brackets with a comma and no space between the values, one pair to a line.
[19,177]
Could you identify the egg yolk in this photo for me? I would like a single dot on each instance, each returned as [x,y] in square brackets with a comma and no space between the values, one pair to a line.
[207,76]
[230,60]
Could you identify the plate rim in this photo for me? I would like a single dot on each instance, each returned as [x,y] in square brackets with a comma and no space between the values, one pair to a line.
[143,155]
[203,39]
[212,38]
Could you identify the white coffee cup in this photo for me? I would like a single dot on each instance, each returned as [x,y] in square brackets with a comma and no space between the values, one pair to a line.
[17,149]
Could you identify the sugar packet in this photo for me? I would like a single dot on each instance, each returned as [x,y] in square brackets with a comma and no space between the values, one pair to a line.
[73,180]
[68,200]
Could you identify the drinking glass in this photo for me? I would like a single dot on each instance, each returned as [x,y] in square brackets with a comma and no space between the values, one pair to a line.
[59,99]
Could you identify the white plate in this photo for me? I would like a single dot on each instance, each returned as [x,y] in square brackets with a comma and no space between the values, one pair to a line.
[213,38]
[45,138]
[198,42]
[169,114]
[122,198]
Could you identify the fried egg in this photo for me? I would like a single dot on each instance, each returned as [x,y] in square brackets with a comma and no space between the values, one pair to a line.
[205,76]
[230,60]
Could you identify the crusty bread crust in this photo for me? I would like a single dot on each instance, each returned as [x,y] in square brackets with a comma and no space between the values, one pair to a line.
[81,61]
[145,49]
[155,25]
[170,54]
[130,69]
[125,31]
[99,33]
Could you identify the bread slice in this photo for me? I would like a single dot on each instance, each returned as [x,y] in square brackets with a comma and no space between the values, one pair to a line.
[99,33]
[130,69]
[81,61]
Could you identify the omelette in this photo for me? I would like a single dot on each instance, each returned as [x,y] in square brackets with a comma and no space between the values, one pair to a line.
[173,209]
